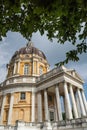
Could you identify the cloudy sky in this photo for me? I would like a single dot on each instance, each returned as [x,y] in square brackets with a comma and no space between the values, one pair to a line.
[53,51]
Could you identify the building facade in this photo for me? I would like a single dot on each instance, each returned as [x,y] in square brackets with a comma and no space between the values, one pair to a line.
[34,94]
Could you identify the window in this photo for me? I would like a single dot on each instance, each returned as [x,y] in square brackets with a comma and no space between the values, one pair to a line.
[41,70]
[51,116]
[50,98]
[26,69]
[22,96]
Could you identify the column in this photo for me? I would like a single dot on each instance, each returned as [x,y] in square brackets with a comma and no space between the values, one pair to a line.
[10,109]
[81,102]
[58,103]
[46,105]
[55,107]
[14,68]
[65,109]
[78,105]
[39,100]
[2,108]
[68,105]
[75,112]
[84,100]
[33,107]
[18,67]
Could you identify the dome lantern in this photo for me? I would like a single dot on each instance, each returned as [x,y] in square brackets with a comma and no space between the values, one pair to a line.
[30,44]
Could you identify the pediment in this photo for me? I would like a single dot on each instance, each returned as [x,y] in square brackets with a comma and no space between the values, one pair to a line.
[75,75]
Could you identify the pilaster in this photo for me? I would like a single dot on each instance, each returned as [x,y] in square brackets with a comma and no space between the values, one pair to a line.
[2,109]
[10,109]
[33,106]
[14,71]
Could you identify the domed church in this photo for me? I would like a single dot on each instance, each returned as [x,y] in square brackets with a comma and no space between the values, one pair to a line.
[34,97]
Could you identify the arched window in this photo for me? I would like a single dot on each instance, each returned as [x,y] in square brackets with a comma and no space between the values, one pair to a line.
[26,69]
[41,70]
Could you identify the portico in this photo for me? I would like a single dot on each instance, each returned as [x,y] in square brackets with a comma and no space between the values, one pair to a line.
[68,91]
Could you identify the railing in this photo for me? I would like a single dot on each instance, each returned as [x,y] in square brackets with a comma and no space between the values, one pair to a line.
[65,123]
[49,74]
[19,79]
[73,122]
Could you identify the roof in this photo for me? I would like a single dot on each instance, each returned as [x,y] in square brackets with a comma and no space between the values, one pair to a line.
[29,49]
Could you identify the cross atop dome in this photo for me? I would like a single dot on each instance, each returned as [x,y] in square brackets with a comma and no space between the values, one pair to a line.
[30,44]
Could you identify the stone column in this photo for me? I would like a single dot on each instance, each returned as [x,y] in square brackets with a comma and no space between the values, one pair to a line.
[75,112]
[78,105]
[58,103]
[46,105]
[65,108]
[55,107]
[84,100]
[33,107]
[10,109]
[14,68]
[18,67]
[39,100]
[68,105]
[2,108]
[81,102]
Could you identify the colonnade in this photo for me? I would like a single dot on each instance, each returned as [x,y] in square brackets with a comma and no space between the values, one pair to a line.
[71,104]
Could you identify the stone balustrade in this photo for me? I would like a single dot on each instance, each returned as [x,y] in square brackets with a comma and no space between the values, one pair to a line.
[19,79]
[80,123]
[49,74]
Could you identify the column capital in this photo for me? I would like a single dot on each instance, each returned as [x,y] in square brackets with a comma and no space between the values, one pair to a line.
[45,89]
[70,85]
[11,93]
[56,84]
[64,81]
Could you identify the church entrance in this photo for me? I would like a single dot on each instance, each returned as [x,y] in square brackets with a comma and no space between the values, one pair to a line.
[51,115]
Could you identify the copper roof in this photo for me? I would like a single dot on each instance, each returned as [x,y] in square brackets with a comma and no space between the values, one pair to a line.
[29,49]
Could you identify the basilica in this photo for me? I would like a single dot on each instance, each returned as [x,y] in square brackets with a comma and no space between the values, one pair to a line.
[33,97]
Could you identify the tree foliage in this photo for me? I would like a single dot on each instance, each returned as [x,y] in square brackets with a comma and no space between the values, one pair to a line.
[62,19]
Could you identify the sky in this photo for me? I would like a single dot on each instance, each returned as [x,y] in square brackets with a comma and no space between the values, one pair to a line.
[54,52]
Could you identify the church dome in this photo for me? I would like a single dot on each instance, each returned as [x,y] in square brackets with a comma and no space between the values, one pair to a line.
[29,49]
[28,61]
